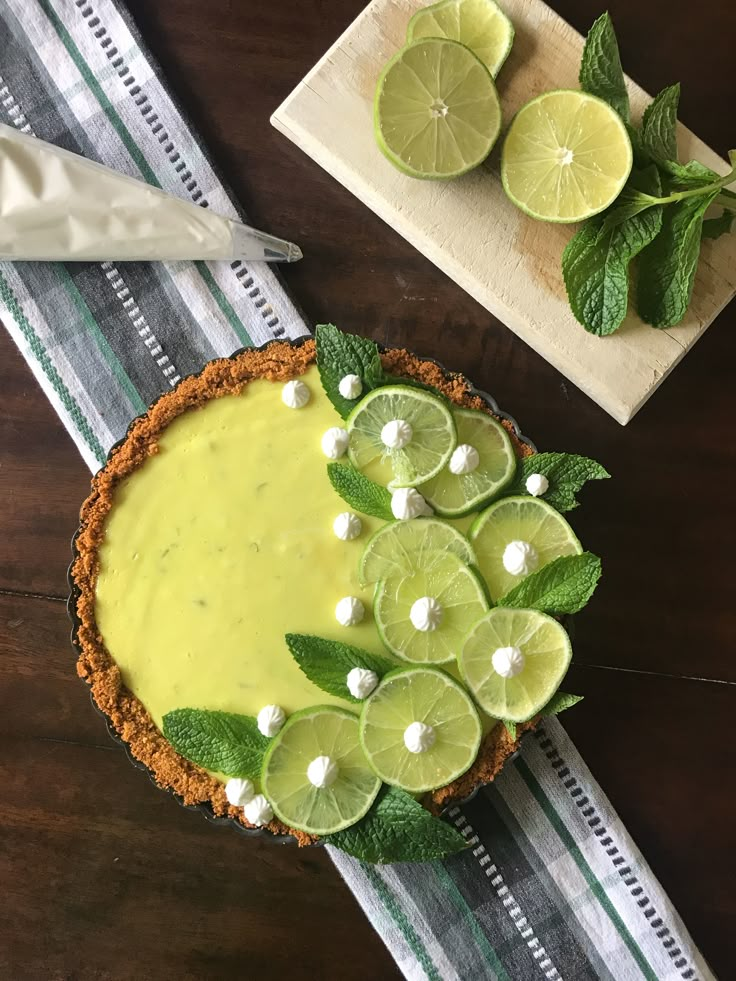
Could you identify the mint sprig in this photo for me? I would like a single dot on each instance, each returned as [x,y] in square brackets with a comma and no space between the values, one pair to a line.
[566,473]
[222,741]
[662,224]
[359,492]
[340,354]
[327,662]
[398,829]
[558,703]
[562,586]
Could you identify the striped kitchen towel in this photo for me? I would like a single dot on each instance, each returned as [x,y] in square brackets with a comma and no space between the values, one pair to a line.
[551,886]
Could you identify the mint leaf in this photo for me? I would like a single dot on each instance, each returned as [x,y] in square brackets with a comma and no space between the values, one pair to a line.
[510,728]
[600,71]
[398,829]
[690,175]
[715,227]
[667,267]
[566,473]
[341,354]
[659,125]
[595,262]
[559,702]
[327,662]
[221,741]
[359,492]
[562,586]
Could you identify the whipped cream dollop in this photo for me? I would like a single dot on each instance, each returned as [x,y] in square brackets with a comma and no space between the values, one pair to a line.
[465,459]
[407,503]
[270,719]
[258,811]
[335,442]
[507,661]
[537,484]
[239,792]
[349,611]
[520,558]
[350,387]
[396,434]
[322,772]
[295,394]
[347,526]
[361,682]
[419,737]
[426,613]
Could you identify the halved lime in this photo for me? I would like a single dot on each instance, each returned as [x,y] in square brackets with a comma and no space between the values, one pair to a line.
[401,548]
[425,617]
[406,427]
[436,110]
[567,156]
[517,536]
[321,736]
[513,662]
[481,25]
[427,710]
[493,466]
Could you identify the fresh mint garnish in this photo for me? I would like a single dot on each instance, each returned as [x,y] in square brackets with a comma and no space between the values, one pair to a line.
[340,354]
[220,741]
[359,492]
[510,728]
[566,473]
[327,662]
[601,73]
[562,586]
[398,829]
[715,227]
[559,702]
[659,125]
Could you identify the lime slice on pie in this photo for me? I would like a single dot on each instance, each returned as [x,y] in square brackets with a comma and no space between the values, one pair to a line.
[478,24]
[513,662]
[401,548]
[410,429]
[315,774]
[481,465]
[425,617]
[436,110]
[420,729]
[517,536]
[567,156]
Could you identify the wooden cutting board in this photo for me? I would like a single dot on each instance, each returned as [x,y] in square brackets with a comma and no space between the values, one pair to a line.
[469,229]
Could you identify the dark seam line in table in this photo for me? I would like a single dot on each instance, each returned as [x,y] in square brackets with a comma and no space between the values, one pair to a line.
[26,594]
[656,674]
[66,742]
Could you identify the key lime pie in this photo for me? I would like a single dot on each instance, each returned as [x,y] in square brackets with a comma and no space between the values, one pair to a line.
[321,590]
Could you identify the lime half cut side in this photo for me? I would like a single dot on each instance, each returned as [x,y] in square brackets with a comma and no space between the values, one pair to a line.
[425,618]
[517,536]
[513,662]
[401,548]
[420,729]
[350,784]
[405,427]
[480,25]
[566,156]
[436,110]
[493,466]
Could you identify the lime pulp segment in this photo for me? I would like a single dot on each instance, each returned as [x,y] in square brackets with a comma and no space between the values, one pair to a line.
[450,730]
[566,156]
[480,25]
[311,733]
[436,110]
[542,649]
[425,618]
[525,520]
[452,495]
[401,548]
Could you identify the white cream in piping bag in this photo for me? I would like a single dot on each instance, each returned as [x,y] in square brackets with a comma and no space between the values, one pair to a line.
[57,205]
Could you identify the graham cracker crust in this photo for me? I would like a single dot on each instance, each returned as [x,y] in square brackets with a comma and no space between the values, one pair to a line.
[278,362]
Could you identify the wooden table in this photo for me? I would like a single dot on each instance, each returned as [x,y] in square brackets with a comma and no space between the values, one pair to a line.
[104,877]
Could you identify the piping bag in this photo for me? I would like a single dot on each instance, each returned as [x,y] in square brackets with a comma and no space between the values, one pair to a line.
[56,205]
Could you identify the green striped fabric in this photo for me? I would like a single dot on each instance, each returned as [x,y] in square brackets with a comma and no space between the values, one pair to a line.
[551,886]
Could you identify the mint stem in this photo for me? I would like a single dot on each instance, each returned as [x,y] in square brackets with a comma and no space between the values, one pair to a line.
[695,192]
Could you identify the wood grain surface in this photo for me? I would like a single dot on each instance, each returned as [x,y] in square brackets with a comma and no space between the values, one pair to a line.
[103,876]
[470,229]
